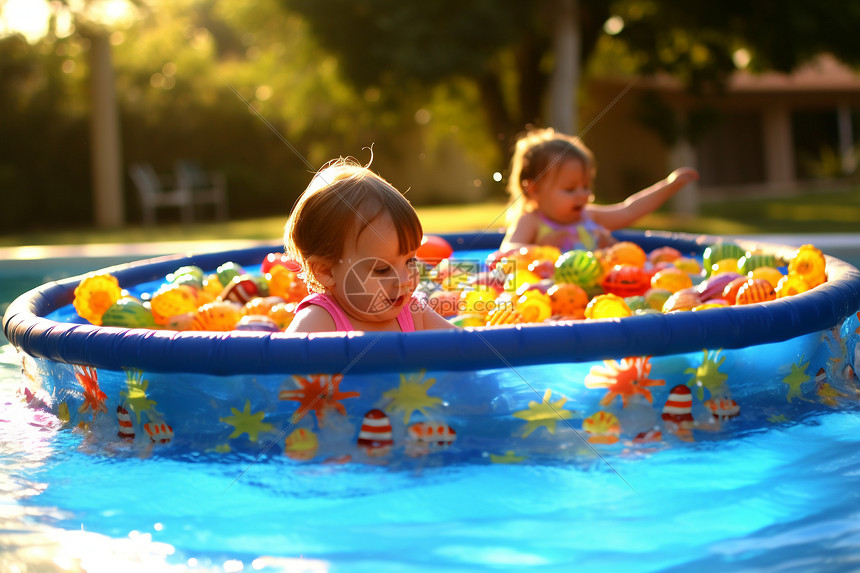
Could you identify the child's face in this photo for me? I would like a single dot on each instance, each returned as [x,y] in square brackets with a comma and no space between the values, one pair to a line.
[372,280]
[563,192]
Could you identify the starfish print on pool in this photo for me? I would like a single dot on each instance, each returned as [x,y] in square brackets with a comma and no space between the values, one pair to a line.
[544,413]
[795,379]
[94,398]
[245,422]
[708,375]
[626,379]
[135,395]
[318,392]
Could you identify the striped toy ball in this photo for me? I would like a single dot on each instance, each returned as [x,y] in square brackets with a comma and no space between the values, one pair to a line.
[578,267]
[755,290]
[218,316]
[752,261]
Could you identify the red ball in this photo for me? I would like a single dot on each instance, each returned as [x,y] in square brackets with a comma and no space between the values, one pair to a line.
[434,249]
[626,280]
[279,259]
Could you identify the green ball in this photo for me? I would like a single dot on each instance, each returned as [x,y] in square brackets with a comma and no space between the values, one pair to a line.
[752,261]
[578,267]
[128,313]
[719,251]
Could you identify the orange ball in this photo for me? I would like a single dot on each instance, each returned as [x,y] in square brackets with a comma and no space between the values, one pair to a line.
[755,290]
[433,249]
[607,306]
[730,291]
[672,279]
[770,274]
[568,300]
[534,306]
[624,253]
[172,300]
[790,285]
[809,263]
[626,280]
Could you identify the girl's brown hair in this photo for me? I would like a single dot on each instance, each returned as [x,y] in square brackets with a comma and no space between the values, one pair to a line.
[341,200]
[535,154]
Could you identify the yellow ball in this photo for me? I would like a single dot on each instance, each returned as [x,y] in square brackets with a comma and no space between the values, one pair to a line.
[534,306]
[725,266]
[770,274]
[607,306]
[790,285]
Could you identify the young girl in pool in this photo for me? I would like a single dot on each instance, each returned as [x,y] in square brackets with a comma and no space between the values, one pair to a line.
[355,237]
[551,197]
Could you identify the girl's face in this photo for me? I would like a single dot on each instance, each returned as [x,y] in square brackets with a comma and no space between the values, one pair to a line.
[563,192]
[372,281]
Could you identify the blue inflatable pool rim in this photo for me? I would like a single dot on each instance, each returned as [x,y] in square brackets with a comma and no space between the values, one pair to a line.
[231,353]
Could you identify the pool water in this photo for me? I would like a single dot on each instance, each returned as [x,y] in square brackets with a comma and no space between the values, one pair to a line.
[777,490]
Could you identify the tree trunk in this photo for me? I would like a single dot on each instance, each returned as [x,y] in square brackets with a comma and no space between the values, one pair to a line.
[564,85]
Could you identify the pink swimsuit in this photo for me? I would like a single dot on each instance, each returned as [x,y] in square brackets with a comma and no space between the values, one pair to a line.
[341,320]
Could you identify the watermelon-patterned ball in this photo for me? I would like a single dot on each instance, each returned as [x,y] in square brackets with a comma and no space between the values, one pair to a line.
[578,267]
[719,252]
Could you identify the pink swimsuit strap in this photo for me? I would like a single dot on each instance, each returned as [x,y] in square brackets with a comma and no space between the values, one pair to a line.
[341,320]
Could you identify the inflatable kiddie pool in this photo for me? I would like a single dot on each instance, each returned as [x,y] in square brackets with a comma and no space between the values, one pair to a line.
[481,394]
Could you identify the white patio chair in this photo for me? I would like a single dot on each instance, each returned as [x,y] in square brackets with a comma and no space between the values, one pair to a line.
[153,194]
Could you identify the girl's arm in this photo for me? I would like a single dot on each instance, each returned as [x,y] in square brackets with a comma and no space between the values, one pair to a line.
[639,204]
[523,232]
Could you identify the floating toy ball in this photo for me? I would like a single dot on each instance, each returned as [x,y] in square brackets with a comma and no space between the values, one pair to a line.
[770,274]
[534,306]
[568,300]
[790,285]
[625,253]
[241,289]
[657,297]
[809,263]
[663,255]
[478,301]
[720,252]
[172,300]
[607,306]
[723,266]
[730,291]
[281,260]
[689,265]
[685,299]
[257,322]
[228,271]
[286,284]
[672,279]
[755,290]
[444,302]
[751,261]
[626,280]
[722,408]
[94,295]
[191,275]
[219,316]
[637,303]
[715,303]
[283,314]
[454,275]
[212,286]
[262,304]
[433,249]
[578,267]
[713,286]
[521,278]
[503,315]
[128,312]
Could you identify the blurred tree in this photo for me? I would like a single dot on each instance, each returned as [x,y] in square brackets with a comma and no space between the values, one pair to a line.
[503,46]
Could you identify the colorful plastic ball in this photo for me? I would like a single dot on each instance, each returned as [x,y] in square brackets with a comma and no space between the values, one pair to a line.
[626,280]
[567,300]
[257,323]
[212,285]
[286,284]
[94,295]
[261,304]
[578,267]
[219,316]
[713,286]
[624,253]
[720,252]
[637,303]
[790,285]
[446,303]
[716,303]
[228,271]
[730,291]
[534,306]
[191,275]
[279,259]
[468,320]
[672,279]
[478,301]
[172,300]
[128,312]
[723,266]
[283,313]
[433,249]
[809,263]
[184,321]
[770,274]
[521,278]
[689,265]
[241,289]
[751,261]
[607,306]
[663,255]
[454,275]
[685,299]
[657,297]
[755,290]
[502,316]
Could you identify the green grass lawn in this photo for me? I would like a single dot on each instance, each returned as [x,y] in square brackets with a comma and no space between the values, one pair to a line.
[808,213]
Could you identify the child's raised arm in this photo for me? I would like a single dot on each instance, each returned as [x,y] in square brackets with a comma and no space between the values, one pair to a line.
[620,215]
